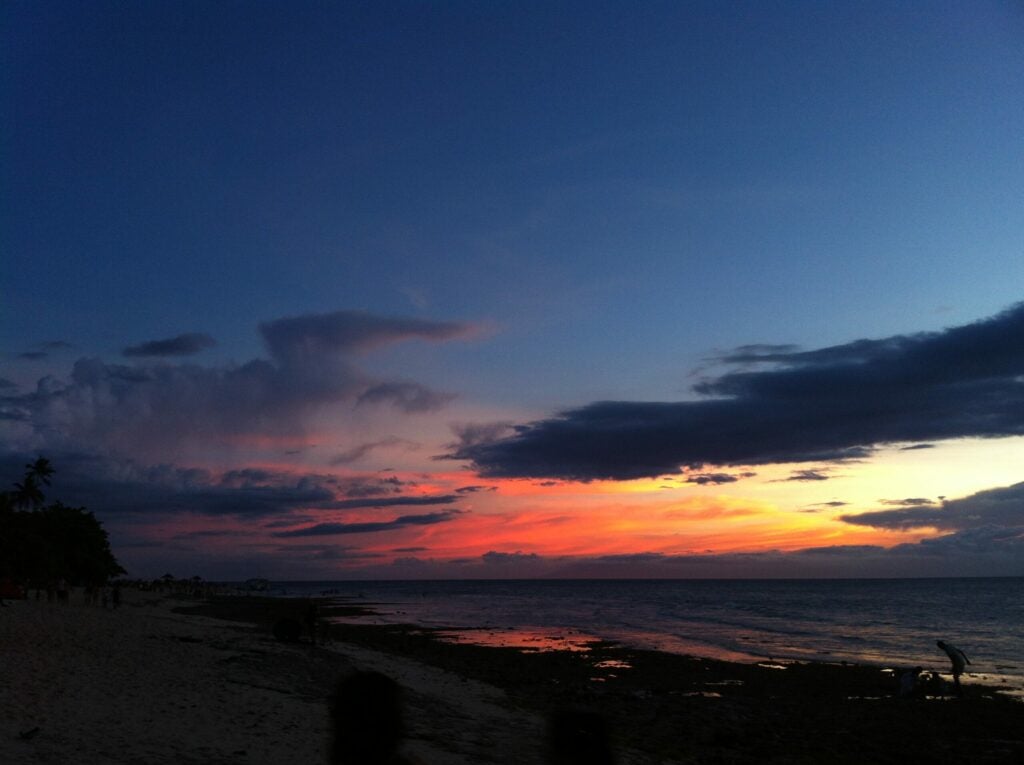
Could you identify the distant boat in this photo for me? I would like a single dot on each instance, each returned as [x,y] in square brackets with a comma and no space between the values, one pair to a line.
[257,585]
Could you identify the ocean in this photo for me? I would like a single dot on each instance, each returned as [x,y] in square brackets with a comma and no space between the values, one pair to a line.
[885,622]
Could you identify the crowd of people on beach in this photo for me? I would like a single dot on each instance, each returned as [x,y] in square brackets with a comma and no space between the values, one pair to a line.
[60,591]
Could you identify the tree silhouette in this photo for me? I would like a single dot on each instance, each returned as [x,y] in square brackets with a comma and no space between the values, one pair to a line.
[27,492]
[52,541]
[41,470]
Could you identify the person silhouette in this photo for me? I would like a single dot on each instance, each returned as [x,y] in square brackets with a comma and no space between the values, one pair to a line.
[366,716]
[959,661]
[309,618]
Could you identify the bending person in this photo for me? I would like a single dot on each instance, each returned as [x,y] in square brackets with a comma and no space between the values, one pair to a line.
[959,660]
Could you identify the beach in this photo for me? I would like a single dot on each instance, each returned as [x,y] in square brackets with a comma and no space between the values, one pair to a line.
[167,679]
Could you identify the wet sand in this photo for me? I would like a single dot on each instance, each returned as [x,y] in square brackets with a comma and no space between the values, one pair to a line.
[165,680]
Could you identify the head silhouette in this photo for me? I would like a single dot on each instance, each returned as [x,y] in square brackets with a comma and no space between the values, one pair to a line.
[366,712]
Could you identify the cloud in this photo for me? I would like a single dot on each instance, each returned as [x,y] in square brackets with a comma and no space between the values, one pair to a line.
[33,355]
[5,383]
[373,486]
[328,529]
[716,479]
[350,504]
[504,559]
[152,410]
[182,345]
[119,487]
[407,396]
[350,332]
[908,502]
[474,489]
[1001,507]
[980,540]
[915,447]
[756,353]
[356,453]
[835,403]
[808,475]
[986,551]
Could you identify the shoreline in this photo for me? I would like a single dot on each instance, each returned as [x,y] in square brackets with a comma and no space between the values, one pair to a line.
[672,707]
[171,679]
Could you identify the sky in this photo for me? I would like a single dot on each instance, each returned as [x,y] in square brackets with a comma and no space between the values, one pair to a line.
[493,290]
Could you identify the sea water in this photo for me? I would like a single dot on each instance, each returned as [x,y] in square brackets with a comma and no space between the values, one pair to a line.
[886,622]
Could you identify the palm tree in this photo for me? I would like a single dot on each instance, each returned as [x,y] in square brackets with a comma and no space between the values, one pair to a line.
[41,470]
[28,492]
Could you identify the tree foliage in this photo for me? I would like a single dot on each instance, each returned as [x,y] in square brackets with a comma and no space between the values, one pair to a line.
[51,541]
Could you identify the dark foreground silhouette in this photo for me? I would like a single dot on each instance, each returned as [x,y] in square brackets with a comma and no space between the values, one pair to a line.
[578,738]
[366,712]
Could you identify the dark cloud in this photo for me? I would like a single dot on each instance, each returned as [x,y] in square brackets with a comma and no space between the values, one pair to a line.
[474,489]
[808,475]
[409,549]
[476,434]
[33,355]
[351,504]
[150,411]
[756,353]
[984,551]
[502,558]
[115,487]
[5,383]
[1002,507]
[326,529]
[915,447]
[350,332]
[979,540]
[716,479]
[182,345]
[908,502]
[373,486]
[56,345]
[824,405]
[287,523]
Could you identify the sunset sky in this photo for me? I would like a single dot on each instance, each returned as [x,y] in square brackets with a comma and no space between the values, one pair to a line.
[485,289]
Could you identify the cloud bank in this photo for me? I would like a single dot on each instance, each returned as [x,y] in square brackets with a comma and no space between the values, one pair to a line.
[369,527]
[993,508]
[150,408]
[830,404]
[114,487]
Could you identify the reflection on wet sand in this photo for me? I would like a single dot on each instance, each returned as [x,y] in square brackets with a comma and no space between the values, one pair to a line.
[523,638]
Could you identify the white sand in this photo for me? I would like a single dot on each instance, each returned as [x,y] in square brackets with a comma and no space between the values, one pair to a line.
[144,685]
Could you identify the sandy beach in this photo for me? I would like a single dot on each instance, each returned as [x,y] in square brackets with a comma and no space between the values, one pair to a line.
[144,684]
[169,680]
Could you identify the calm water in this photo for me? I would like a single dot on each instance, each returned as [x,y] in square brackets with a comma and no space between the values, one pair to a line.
[887,622]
